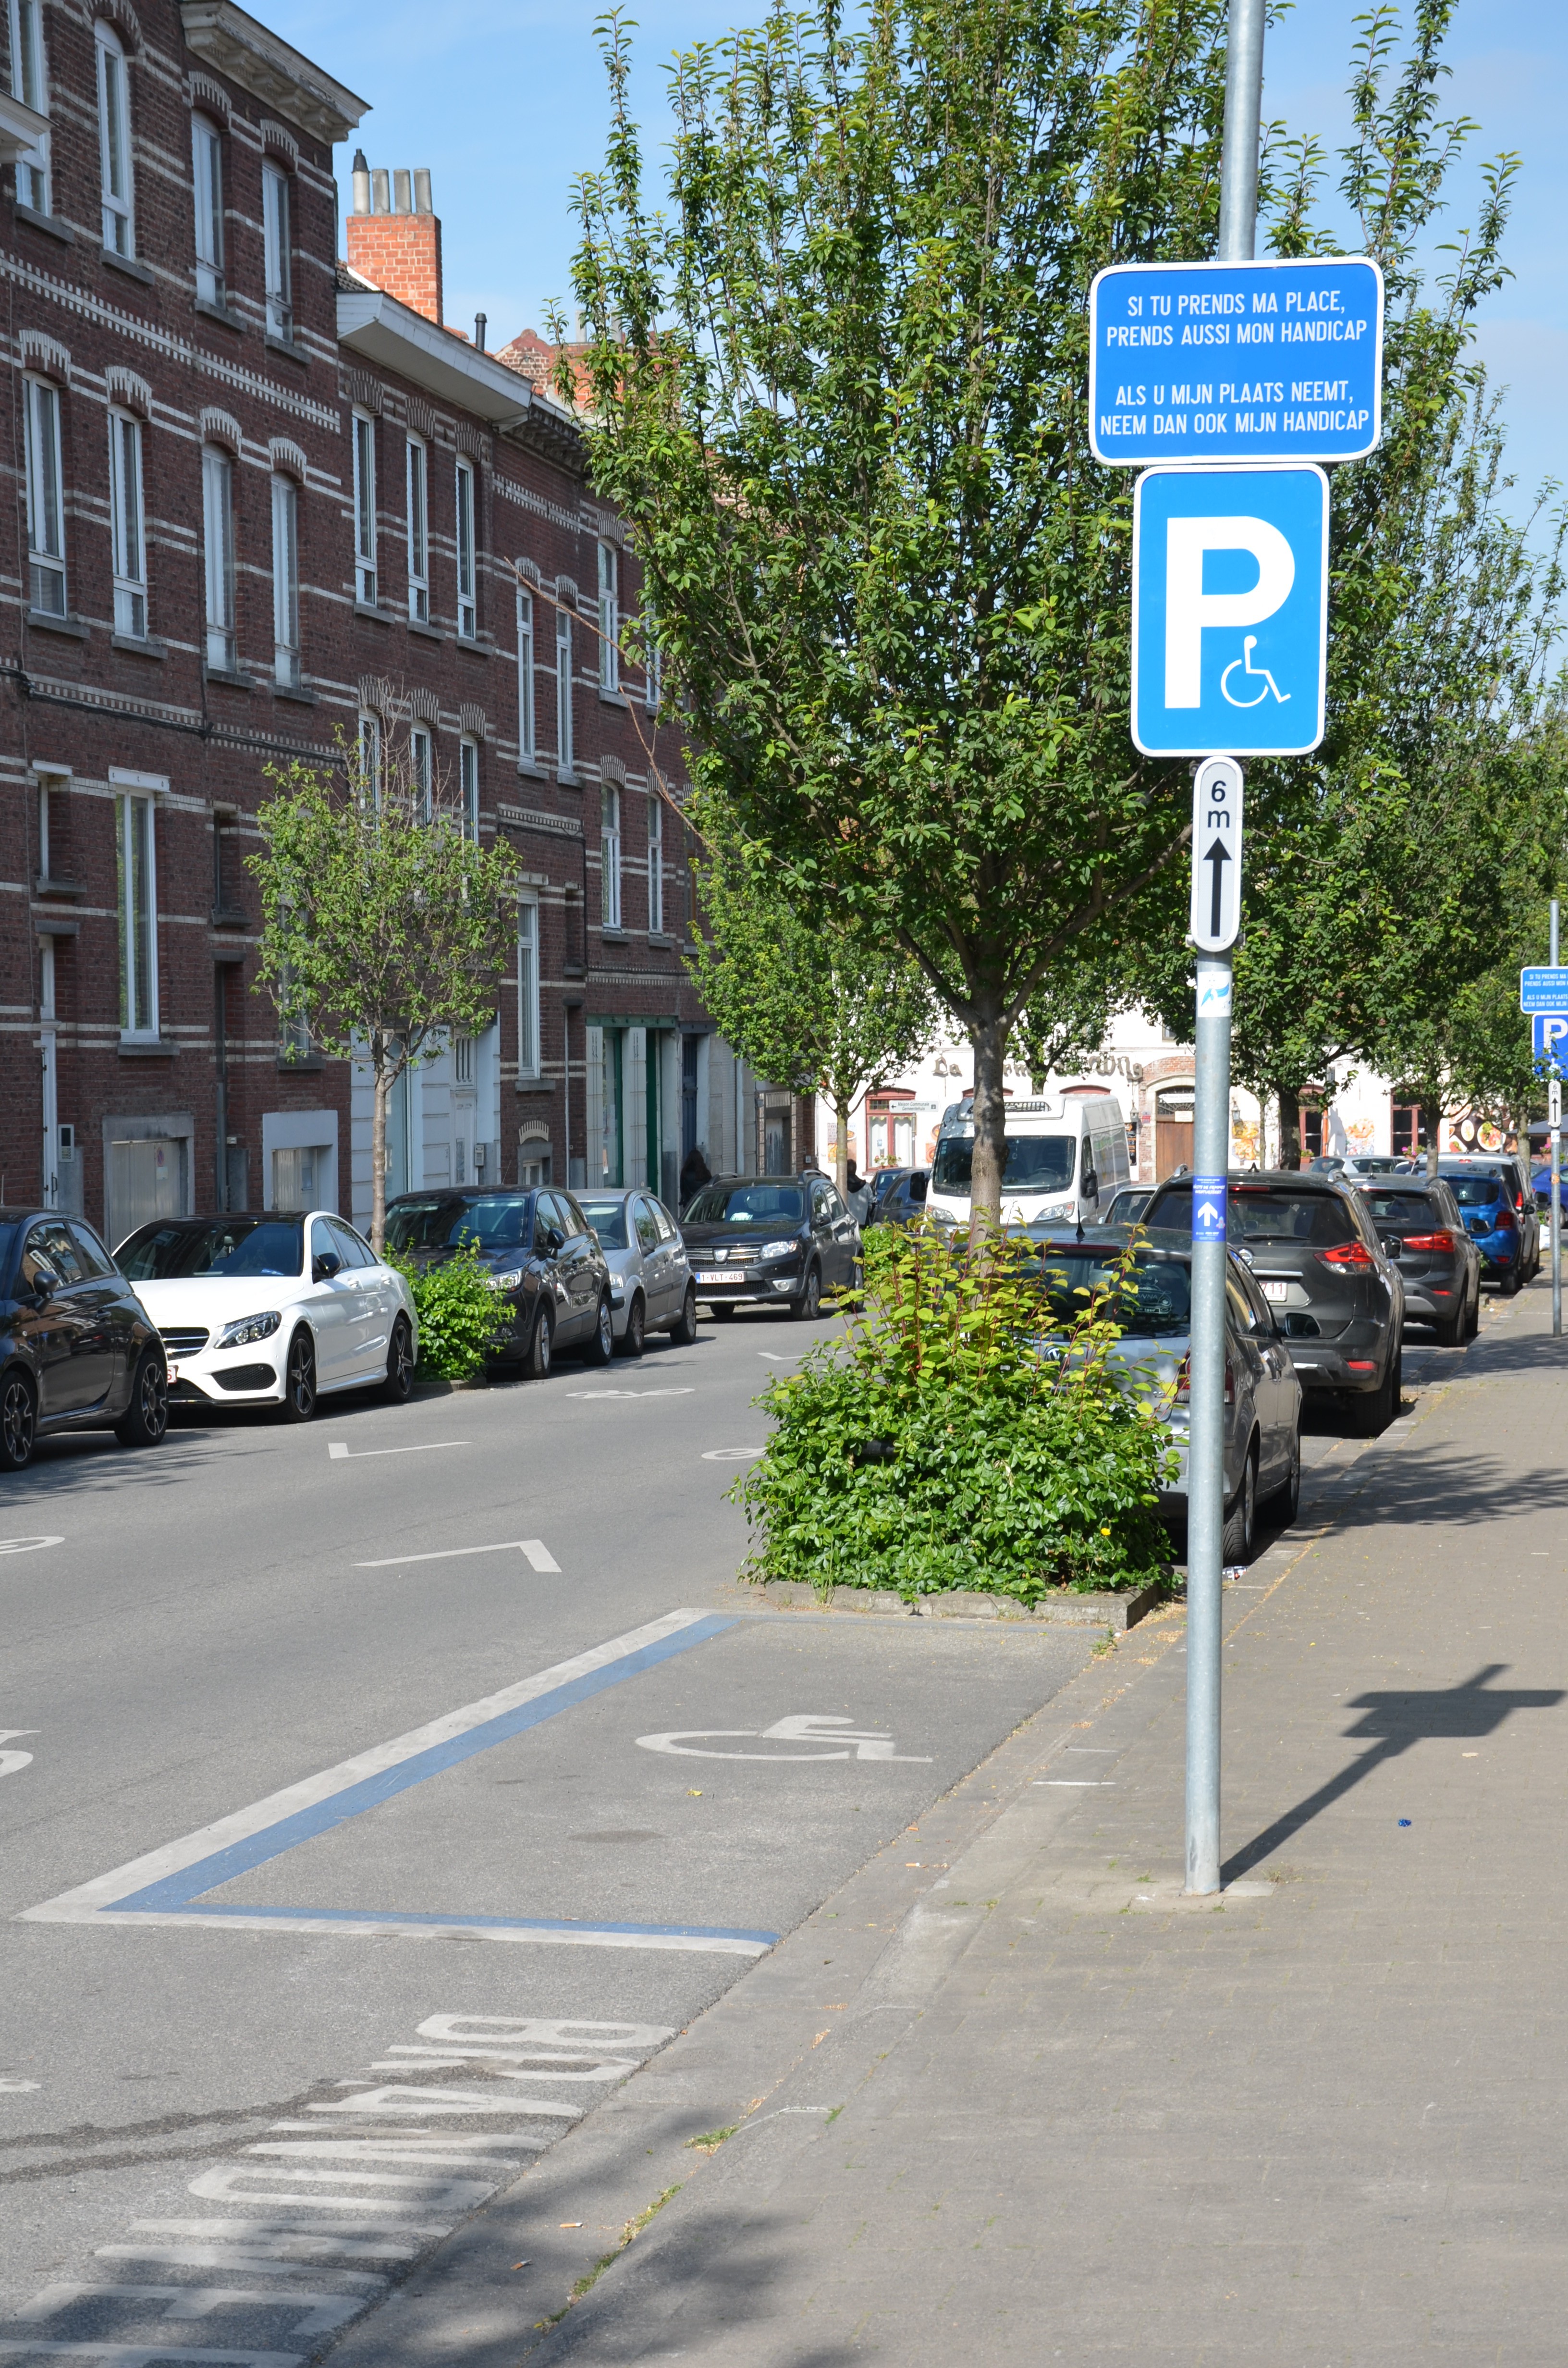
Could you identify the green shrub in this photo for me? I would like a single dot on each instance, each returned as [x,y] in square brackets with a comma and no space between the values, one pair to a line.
[960,1437]
[462,1321]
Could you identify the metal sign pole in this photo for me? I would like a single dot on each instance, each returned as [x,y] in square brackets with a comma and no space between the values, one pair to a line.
[1555,1116]
[1212,1131]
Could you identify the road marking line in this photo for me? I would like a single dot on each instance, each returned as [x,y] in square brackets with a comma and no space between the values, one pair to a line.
[687,1390]
[732,1454]
[536,1552]
[1078,1784]
[149,2355]
[339,1450]
[168,1886]
[28,1545]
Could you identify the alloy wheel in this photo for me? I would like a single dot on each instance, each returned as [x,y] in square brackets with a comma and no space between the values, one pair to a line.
[18,1421]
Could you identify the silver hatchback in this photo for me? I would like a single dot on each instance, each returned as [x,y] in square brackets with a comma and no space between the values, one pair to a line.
[650,1289]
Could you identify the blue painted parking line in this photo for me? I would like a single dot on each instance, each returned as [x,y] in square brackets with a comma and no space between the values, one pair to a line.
[169,1885]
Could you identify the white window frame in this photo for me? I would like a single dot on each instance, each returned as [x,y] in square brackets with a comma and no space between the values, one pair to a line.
[116,173]
[46,497]
[609,856]
[285,581]
[207,194]
[128,537]
[528,987]
[609,619]
[421,767]
[655,864]
[136,863]
[468,786]
[369,747]
[526,747]
[416,495]
[653,661]
[565,768]
[362,430]
[466,536]
[218,558]
[277,244]
[29,83]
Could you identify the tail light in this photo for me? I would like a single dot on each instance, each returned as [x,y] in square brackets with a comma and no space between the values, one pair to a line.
[1428,1241]
[1184,1383]
[1347,1257]
[1507,1221]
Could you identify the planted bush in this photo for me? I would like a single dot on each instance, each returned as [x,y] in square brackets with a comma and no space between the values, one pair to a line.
[960,1437]
[462,1319]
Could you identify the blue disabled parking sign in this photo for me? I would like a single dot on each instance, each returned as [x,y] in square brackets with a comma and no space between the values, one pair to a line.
[1230,610]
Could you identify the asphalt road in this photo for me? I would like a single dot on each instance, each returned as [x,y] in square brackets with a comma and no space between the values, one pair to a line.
[503,1790]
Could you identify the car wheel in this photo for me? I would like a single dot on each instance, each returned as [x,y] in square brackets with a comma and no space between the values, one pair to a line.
[722,1311]
[19,1420]
[399,1382]
[299,1379]
[1474,1324]
[1281,1508]
[1372,1413]
[1513,1282]
[535,1365]
[634,1338]
[808,1307]
[600,1345]
[1451,1332]
[146,1418]
[1241,1521]
[686,1330]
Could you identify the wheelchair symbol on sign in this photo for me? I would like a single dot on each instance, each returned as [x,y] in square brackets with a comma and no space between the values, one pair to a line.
[1259,675]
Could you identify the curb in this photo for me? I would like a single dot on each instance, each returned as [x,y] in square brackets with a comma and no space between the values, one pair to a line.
[1061,1609]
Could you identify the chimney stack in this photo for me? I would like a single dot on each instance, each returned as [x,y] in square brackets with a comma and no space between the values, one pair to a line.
[394,238]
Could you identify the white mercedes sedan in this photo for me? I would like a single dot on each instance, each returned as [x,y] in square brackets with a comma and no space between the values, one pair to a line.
[274,1310]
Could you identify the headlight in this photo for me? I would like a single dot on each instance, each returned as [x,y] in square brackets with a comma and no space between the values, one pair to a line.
[246,1328]
[617,1292]
[778,1249]
[510,1280]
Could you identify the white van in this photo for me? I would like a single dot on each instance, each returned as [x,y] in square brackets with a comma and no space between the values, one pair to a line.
[1066,1156]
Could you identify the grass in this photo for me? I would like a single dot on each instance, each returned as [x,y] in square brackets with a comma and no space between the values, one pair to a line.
[590,2278]
[711,2140]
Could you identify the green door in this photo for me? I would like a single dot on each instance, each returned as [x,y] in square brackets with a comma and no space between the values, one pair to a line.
[652,1041]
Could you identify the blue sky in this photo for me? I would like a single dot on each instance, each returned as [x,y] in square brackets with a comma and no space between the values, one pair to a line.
[505,100]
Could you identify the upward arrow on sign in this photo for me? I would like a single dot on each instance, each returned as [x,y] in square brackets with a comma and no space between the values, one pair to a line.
[1217,857]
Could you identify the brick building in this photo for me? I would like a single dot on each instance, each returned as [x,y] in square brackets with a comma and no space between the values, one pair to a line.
[260,500]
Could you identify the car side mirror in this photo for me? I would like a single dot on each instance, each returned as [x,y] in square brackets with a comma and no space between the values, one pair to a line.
[1090,1186]
[555,1240]
[325,1265]
[45,1281]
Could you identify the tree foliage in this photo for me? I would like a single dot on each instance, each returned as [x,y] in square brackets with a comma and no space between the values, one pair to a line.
[384,926]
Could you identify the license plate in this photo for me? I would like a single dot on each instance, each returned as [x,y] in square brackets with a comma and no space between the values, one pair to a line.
[173,1370]
[707,1275]
[1276,1290]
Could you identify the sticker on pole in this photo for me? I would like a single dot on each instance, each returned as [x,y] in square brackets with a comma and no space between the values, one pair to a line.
[1209,1208]
[1217,854]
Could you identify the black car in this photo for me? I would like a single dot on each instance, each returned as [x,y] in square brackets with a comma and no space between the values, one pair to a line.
[541,1253]
[778,1241]
[898,1196]
[1421,1228]
[1319,1261]
[78,1351]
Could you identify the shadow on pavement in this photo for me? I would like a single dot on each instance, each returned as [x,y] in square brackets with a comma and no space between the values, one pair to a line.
[1396,1723]
[1441,1486]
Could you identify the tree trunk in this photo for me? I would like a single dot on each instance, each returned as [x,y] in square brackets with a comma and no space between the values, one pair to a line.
[1432,1127]
[382,1089]
[841,1148]
[1289,1130]
[989,1037]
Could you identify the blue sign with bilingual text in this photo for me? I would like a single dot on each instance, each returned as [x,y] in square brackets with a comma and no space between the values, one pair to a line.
[1209,1208]
[1236,362]
[1541,988]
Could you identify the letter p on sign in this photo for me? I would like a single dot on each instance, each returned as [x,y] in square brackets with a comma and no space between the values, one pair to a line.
[1230,617]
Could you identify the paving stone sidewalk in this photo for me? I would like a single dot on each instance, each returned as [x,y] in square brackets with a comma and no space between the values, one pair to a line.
[1066,2115]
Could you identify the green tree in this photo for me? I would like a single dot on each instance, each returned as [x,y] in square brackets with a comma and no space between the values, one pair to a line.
[809,1005]
[384,926]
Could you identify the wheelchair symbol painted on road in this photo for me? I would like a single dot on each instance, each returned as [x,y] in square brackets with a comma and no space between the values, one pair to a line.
[686,1742]
[1253,673]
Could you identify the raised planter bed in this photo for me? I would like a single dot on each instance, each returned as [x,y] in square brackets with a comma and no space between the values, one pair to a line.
[1060,1608]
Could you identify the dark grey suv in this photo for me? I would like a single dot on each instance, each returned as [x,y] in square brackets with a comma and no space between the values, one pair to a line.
[778,1241]
[78,1351]
[1318,1259]
[1422,1231]
[541,1253]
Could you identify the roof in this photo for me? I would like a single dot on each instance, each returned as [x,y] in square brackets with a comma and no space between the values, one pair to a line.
[376,326]
[271,69]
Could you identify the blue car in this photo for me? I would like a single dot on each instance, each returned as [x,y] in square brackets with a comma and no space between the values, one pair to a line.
[1503,1225]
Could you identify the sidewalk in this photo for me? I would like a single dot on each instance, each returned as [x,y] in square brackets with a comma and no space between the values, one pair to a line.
[1008,2097]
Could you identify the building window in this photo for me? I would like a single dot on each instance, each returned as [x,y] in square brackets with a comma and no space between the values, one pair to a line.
[527,988]
[275,242]
[468,606]
[30,84]
[1408,1135]
[114,141]
[364,509]
[218,531]
[138,918]
[463,1063]
[419,535]
[371,758]
[420,769]
[610,857]
[564,694]
[207,162]
[468,787]
[46,503]
[609,617]
[285,582]
[129,555]
[525,678]
[654,690]
[656,864]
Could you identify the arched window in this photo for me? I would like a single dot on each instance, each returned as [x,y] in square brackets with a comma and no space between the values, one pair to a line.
[285,582]
[207,180]
[468,787]
[114,141]
[218,538]
[277,262]
[525,678]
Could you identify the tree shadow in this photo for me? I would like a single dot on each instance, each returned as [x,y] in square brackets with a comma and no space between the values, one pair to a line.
[1396,1723]
[1439,1485]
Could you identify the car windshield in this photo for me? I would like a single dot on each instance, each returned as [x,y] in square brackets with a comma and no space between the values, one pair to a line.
[1148,1296]
[607,1219]
[1391,1208]
[1035,1163]
[1264,1213]
[1475,1191]
[748,1205]
[496,1221]
[229,1247]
